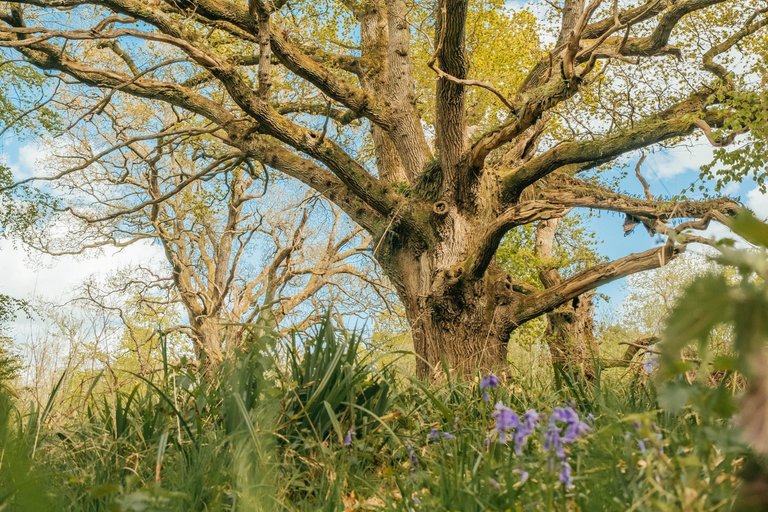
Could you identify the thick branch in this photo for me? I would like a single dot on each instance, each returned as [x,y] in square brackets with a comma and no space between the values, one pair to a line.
[676,121]
[547,300]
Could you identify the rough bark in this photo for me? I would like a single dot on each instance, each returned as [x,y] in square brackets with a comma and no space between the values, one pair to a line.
[570,327]
[571,337]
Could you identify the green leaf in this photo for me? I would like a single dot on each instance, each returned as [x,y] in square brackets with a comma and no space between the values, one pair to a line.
[749,227]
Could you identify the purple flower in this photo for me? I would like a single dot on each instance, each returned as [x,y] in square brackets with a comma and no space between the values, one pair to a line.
[525,429]
[565,475]
[523,475]
[650,364]
[494,484]
[412,457]
[435,435]
[490,381]
[553,441]
[575,430]
[564,427]
[506,421]
[348,437]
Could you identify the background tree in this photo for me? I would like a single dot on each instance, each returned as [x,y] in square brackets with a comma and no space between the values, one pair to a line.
[438,197]
[230,256]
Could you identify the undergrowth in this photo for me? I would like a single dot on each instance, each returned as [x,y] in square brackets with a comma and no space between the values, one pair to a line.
[318,422]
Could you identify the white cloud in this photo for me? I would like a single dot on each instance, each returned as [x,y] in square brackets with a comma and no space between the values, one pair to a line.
[679,160]
[55,277]
[39,277]
[758,202]
[30,157]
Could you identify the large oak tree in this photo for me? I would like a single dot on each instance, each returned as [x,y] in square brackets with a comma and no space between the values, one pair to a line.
[326,92]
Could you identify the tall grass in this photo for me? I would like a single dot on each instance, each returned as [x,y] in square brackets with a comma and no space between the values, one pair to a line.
[318,422]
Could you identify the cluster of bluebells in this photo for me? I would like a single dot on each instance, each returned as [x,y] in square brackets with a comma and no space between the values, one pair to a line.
[509,423]
[563,428]
[436,435]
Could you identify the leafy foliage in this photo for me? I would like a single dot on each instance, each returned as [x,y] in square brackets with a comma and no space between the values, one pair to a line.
[741,303]
[24,98]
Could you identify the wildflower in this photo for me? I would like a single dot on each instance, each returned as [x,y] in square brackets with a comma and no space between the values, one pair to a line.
[650,364]
[565,475]
[553,441]
[435,435]
[558,435]
[506,421]
[525,429]
[494,484]
[575,430]
[490,381]
[574,427]
[523,475]
[348,437]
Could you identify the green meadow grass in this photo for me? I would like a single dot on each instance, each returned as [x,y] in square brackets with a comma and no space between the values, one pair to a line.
[321,423]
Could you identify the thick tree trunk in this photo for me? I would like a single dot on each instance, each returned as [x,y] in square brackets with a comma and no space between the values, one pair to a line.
[462,323]
[208,334]
[460,334]
[570,333]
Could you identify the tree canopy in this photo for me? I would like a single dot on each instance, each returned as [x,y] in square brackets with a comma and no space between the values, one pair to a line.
[437,127]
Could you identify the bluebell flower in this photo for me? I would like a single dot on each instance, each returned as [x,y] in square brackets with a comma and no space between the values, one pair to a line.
[553,441]
[490,381]
[527,426]
[523,475]
[348,437]
[558,435]
[650,364]
[575,430]
[506,421]
[435,435]
[565,475]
